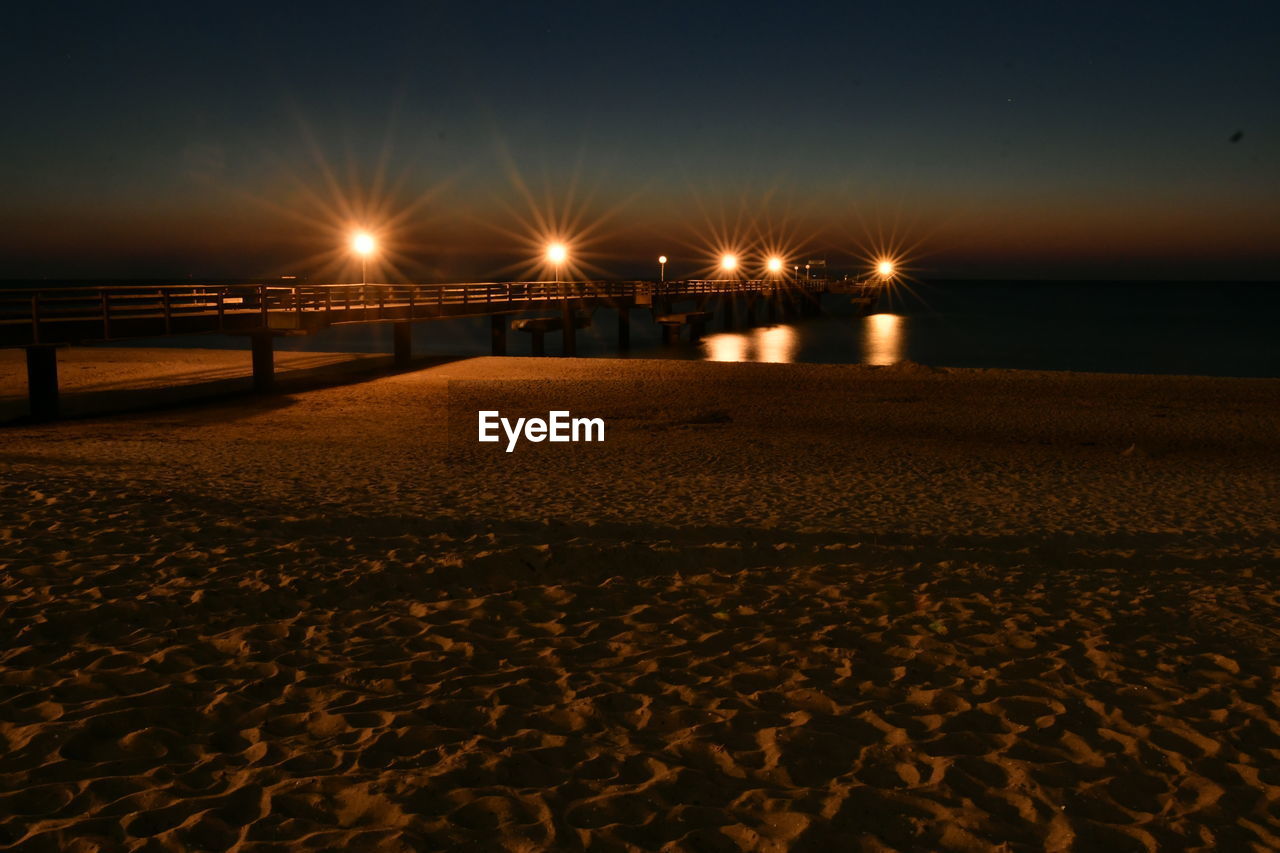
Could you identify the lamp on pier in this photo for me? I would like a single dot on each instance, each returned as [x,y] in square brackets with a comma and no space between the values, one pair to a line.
[364,245]
[557,254]
[662,267]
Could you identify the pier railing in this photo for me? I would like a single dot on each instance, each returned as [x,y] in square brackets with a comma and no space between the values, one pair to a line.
[63,314]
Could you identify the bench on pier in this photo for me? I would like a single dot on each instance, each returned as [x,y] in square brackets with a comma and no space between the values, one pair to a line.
[671,324]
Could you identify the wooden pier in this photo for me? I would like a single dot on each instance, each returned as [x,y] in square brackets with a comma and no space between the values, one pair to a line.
[45,318]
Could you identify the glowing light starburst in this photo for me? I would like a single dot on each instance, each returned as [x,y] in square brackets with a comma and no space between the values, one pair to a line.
[374,219]
[559,227]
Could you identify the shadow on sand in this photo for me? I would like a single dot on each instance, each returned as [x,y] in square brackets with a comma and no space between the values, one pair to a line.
[198,388]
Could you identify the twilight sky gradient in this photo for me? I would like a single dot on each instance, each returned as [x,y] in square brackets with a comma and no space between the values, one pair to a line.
[993,139]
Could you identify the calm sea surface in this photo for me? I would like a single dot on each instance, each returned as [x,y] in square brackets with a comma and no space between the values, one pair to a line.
[1210,329]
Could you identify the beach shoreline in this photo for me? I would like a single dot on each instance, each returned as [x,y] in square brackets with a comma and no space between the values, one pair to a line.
[779,607]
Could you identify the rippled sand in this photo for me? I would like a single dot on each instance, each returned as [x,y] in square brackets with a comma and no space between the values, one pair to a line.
[781,607]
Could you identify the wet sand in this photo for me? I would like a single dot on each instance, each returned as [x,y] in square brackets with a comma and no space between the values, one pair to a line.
[780,607]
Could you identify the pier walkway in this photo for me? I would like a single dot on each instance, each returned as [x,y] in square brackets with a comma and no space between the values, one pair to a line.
[42,319]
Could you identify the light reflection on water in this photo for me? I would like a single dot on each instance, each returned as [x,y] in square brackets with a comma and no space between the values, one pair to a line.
[776,344]
[726,347]
[883,339]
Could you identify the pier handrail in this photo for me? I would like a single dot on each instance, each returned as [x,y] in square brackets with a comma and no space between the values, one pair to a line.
[102,307]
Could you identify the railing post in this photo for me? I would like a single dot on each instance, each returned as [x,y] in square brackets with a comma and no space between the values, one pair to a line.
[168,319]
[106,315]
[222,310]
[262,301]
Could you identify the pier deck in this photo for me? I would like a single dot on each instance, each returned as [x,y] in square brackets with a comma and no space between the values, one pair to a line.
[41,319]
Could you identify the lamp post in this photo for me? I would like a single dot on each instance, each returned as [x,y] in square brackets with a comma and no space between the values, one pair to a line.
[728,263]
[557,254]
[364,245]
[662,268]
[774,265]
[885,268]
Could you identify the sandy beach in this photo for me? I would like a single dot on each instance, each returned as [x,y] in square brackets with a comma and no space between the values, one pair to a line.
[781,607]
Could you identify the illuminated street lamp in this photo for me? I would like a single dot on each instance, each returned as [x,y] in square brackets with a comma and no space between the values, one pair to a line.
[775,265]
[364,245]
[885,268]
[728,263]
[662,267]
[557,254]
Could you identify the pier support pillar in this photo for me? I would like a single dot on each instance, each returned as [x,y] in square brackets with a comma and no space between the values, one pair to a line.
[42,381]
[264,360]
[538,343]
[498,334]
[729,304]
[624,328]
[751,310]
[670,334]
[403,343]
[771,304]
[570,328]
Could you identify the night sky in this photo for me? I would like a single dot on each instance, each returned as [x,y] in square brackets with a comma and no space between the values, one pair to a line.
[1008,140]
